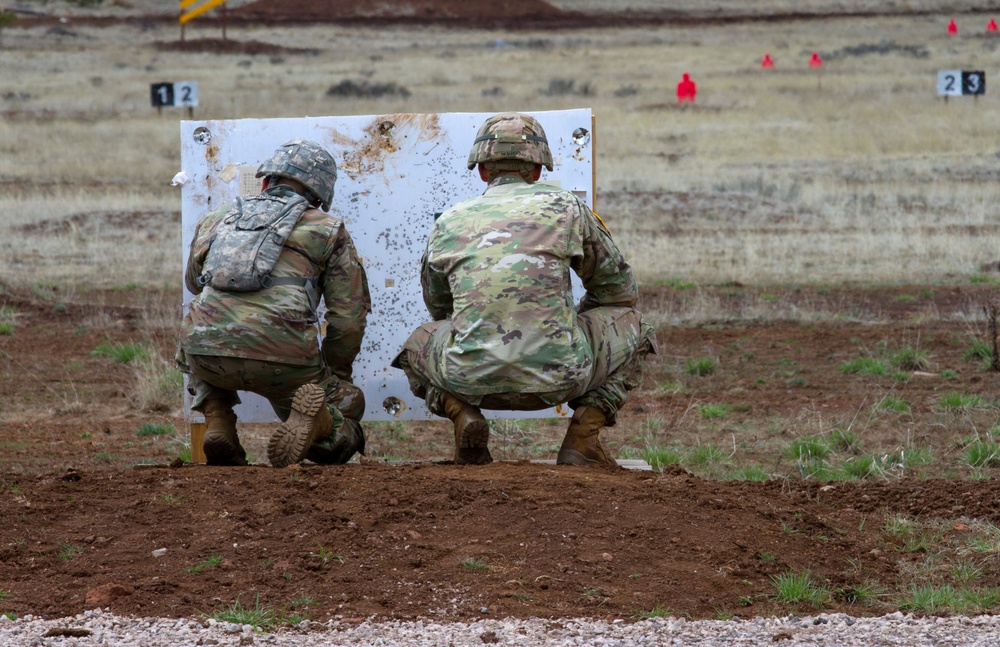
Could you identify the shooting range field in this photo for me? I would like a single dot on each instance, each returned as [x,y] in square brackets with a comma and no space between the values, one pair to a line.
[818,247]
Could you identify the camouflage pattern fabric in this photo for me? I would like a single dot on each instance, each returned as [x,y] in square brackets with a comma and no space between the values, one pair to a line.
[278,324]
[496,277]
[306,162]
[219,377]
[510,136]
[266,341]
[249,240]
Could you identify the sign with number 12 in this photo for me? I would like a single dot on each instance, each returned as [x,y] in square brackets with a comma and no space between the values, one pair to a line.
[182,93]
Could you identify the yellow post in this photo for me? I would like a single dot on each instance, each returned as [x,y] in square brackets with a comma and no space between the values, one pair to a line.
[197,441]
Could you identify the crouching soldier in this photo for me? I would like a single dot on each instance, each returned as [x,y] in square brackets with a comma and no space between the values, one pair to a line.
[259,268]
[506,334]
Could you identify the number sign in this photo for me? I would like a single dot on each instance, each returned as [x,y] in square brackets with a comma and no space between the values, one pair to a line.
[182,93]
[955,83]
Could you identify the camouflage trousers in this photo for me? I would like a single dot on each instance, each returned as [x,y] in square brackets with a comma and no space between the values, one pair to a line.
[218,377]
[619,353]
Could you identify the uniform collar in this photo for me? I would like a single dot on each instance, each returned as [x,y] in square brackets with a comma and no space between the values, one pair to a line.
[280,191]
[501,180]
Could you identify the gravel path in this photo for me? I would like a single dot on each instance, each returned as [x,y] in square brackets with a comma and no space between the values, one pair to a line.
[835,630]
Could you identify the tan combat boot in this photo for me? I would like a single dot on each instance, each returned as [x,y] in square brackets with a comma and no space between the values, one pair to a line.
[582,444]
[308,422]
[222,443]
[472,432]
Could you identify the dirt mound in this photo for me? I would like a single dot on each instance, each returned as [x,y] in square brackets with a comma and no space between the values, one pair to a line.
[507,13]
[84,526]
[229,46]
[436,540]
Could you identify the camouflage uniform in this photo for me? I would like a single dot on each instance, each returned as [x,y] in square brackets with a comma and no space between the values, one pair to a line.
[506,335]
[266,341]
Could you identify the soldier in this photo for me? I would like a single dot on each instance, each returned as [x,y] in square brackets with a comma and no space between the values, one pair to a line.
[506,335]
[258,269]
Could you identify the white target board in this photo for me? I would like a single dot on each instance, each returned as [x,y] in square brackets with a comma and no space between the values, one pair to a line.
[395,173]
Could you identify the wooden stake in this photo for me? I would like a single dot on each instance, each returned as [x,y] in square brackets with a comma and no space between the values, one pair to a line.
[197,441]
[992,311]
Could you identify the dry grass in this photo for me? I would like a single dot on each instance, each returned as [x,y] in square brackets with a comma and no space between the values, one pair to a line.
[862,174]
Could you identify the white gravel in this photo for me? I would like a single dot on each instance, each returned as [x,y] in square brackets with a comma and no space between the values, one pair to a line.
[834,630]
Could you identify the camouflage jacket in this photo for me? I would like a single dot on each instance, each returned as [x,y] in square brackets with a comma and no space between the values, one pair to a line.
[278,324]
[499,266]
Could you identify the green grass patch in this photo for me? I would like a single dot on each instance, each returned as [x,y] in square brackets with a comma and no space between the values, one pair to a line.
[155,429]
[932,599]
[122,353]
[210,562]
[713,411]
[983,453]
[954,401]
[472,565]
[807,449]
[892,403]
[843,440]
[911,359]
[700,367]
[326,555]
[863,467]
[659,457]
[659,611]
[68,551]
[978,351]
[707,455]
[799,588]
[865,366]
[257,616]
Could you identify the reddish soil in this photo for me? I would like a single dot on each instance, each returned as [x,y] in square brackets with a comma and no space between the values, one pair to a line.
[82,516]
[507,14]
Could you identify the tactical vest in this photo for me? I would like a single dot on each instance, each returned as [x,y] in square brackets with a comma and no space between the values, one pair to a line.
[249,240]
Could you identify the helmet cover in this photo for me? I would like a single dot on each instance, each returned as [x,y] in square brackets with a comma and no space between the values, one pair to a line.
[306,162]
[511,136]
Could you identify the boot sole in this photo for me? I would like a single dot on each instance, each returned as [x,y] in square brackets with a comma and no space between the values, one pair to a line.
[473,444]
[292,439]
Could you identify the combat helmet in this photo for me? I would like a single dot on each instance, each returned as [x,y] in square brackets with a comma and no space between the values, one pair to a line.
[511,136]
[306,162]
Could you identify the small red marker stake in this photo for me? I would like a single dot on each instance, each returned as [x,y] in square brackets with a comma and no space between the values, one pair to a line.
[816,63]
[686,89]
[991,26]
[952,27]
[767,62]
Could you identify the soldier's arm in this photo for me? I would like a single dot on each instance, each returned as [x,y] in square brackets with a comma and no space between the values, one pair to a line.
[348,302]
[436,289]
[606,275]
[200,245]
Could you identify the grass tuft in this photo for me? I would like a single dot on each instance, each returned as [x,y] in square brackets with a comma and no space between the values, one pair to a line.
[799,588]
[865,366]
[155,429]
[701,367]
[122,353]
[472,565]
